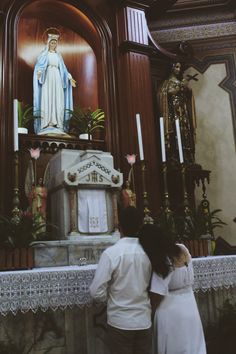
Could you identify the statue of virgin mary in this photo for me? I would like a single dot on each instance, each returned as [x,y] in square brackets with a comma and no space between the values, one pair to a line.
[52,84]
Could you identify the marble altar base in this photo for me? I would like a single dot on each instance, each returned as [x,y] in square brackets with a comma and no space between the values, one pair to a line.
[77,250]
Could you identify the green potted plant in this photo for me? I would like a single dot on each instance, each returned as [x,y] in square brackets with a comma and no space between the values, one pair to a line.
[16,239]
[195,230]
[85,121]
[202,224]
[25,115]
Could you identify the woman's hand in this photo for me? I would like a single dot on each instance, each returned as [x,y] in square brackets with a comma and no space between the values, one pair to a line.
[155,300]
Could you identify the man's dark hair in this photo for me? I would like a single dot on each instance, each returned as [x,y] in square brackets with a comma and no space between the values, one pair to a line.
[130,221]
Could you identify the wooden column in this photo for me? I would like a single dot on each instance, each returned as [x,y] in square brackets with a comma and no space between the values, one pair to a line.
[7,93]
[134,80]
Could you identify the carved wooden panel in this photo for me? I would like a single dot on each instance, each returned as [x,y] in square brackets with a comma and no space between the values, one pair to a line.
[132,25]
[137,98]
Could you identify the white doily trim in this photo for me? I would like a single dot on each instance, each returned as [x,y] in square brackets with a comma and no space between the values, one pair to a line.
[61,287]
[213,273]
[48,288]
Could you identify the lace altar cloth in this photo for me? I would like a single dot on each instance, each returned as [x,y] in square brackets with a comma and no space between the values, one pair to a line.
[44,288]
[61,287]
[215,272]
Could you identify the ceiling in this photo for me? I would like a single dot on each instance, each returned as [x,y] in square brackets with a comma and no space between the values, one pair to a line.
[193,11]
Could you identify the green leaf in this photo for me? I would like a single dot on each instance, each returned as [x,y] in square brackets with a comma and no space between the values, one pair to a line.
[26,113]
[86,121]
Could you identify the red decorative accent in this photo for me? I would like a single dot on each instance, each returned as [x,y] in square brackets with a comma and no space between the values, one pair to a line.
[197,248]
[16,258]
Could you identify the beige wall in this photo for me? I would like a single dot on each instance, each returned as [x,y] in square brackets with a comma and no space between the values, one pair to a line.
[215,147]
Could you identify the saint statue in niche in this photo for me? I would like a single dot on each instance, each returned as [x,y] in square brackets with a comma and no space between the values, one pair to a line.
[52,89]
[128,197]
[36,193]
[38,201]
[176,101]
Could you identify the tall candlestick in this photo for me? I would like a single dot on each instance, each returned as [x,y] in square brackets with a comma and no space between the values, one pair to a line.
[181,156]
[147,218]
[140,141]
[15,125]
[16,193]
[163,150]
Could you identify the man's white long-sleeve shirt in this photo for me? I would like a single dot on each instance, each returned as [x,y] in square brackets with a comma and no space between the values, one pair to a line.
[122,278]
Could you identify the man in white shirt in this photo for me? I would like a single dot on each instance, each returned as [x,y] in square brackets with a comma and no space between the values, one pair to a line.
[122,278]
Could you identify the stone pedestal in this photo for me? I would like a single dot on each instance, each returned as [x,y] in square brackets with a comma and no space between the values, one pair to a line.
[82,190]
[82,250]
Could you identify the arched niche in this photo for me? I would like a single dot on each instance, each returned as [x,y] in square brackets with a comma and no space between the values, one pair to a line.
[80,45]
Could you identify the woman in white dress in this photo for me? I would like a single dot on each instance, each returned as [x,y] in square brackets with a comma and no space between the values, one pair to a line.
[177,324]
[52,89]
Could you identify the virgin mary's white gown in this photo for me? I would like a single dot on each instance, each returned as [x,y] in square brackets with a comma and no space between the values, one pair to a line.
[52,93]
[177,324]
[52,101]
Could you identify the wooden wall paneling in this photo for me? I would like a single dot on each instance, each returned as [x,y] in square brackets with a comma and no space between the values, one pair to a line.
[108,85]
[136,97]
[7,33]
[3,147]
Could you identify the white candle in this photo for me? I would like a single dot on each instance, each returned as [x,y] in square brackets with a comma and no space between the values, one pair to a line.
[15,124]
[181,157]
[140,141]
[163,150]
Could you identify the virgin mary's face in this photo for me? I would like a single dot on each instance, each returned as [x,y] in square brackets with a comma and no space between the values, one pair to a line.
[52,45]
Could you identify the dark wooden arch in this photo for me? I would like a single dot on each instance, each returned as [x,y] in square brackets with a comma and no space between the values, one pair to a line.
[107,86]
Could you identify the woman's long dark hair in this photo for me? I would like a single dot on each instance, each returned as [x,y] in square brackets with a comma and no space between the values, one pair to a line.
[160,248]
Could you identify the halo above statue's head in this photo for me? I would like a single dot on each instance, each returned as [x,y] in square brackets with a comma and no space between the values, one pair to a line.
[50,34]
